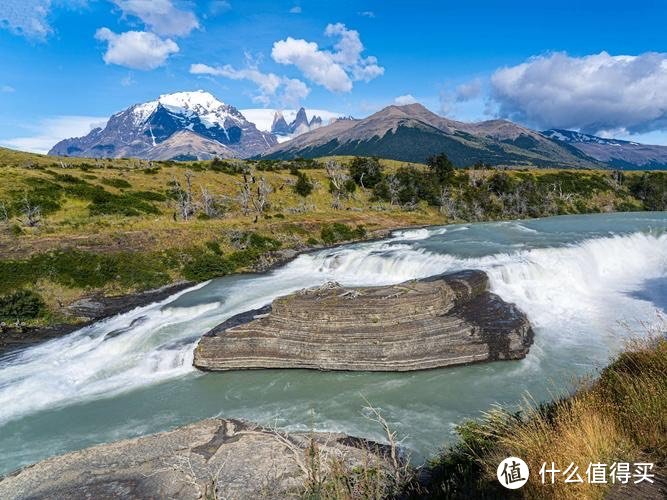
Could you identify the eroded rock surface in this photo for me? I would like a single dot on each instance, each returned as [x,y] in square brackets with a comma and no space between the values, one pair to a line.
[234,458]
[440,321]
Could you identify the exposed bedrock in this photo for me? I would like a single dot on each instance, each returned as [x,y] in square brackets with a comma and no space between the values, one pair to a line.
[214,458]
[445,320]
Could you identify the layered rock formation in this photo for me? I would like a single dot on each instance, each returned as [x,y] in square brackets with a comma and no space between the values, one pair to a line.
[214,458]
[441,321]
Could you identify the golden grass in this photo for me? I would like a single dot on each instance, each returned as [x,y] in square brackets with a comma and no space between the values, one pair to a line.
[621,417]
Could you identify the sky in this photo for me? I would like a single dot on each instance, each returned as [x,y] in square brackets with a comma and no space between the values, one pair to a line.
[594,66]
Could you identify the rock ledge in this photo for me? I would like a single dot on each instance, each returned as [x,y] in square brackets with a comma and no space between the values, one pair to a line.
[444,320]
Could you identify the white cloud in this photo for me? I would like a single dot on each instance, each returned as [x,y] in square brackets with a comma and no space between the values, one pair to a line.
[217,7]
[402,100]
[160,16]
[334,70]
[288,91]
[367,13]
[469,90]
[26,17]
[592,93]
[7,89]
[48,131]
[295,10]
[136,49]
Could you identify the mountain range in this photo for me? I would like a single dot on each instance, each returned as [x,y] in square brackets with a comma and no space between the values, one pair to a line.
[196,125]
[614,152]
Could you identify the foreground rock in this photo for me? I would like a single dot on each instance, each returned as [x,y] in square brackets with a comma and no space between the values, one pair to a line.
[441,321]
[214,458]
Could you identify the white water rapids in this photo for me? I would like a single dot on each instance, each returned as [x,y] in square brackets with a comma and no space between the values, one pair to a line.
[576,278]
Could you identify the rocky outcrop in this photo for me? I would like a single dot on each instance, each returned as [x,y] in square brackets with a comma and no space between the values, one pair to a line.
[445,320]
[214,458]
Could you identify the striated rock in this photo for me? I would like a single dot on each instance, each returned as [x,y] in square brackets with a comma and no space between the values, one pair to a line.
[444,320]
[214,458]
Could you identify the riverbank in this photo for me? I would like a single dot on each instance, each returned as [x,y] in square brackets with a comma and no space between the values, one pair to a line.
[119,227]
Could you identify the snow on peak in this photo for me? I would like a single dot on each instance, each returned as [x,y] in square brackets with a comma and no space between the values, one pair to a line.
[203,105]
[198,99]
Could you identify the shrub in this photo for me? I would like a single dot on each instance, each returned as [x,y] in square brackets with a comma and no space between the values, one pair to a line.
[333,233]
[366,172]
[21,305]
[117,183]
[303,186]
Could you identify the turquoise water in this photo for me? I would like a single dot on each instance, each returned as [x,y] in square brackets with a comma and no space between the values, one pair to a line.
[577,277]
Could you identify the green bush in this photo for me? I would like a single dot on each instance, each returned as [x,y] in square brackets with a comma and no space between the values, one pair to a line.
[366,172]
[21,305]
[117,183]
[303,186]
[333,233]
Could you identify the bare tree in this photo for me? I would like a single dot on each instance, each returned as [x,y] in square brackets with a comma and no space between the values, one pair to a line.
[244,196]
[260,201]
[447,203]
[184,199]
[338,178]
[210,204]
[32,214]
[393,188]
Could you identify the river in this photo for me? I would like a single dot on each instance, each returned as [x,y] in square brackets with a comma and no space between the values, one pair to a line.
[584,282]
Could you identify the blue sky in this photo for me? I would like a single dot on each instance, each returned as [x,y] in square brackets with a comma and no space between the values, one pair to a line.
[67,64]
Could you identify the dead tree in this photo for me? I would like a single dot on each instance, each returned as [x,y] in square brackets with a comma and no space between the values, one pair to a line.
[244,196]
[32,214]
[447,203]
[209,204]
[184,199]
[260,201]
[393,188]
[337,182]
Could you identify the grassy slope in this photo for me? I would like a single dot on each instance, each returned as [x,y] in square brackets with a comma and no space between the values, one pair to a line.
[619,417]
[151,248]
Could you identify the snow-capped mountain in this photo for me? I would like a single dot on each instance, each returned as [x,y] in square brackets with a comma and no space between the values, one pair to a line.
[180,125]
[286,124]
[615,152]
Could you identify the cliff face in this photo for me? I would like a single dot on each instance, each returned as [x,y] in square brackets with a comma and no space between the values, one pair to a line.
[215,458]
[440,321]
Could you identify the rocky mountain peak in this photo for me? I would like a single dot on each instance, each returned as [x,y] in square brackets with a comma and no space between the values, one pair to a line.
[137,130]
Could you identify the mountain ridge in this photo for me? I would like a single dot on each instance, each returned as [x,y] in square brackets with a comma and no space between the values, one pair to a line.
[615,152]
[413,133]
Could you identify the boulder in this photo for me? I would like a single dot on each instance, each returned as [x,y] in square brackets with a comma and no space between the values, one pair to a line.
[214,458]
[445,320]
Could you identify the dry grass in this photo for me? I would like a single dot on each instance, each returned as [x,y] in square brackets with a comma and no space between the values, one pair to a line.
[620,417]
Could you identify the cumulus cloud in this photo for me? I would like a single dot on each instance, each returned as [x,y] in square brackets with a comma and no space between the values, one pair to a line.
[43,135]
[334,70]
[136,49]
[26,18]
[401,100]
[8,89]
[367,13]
[592,93]
[160,16]
[295,10]
[468,91]
[288,91]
